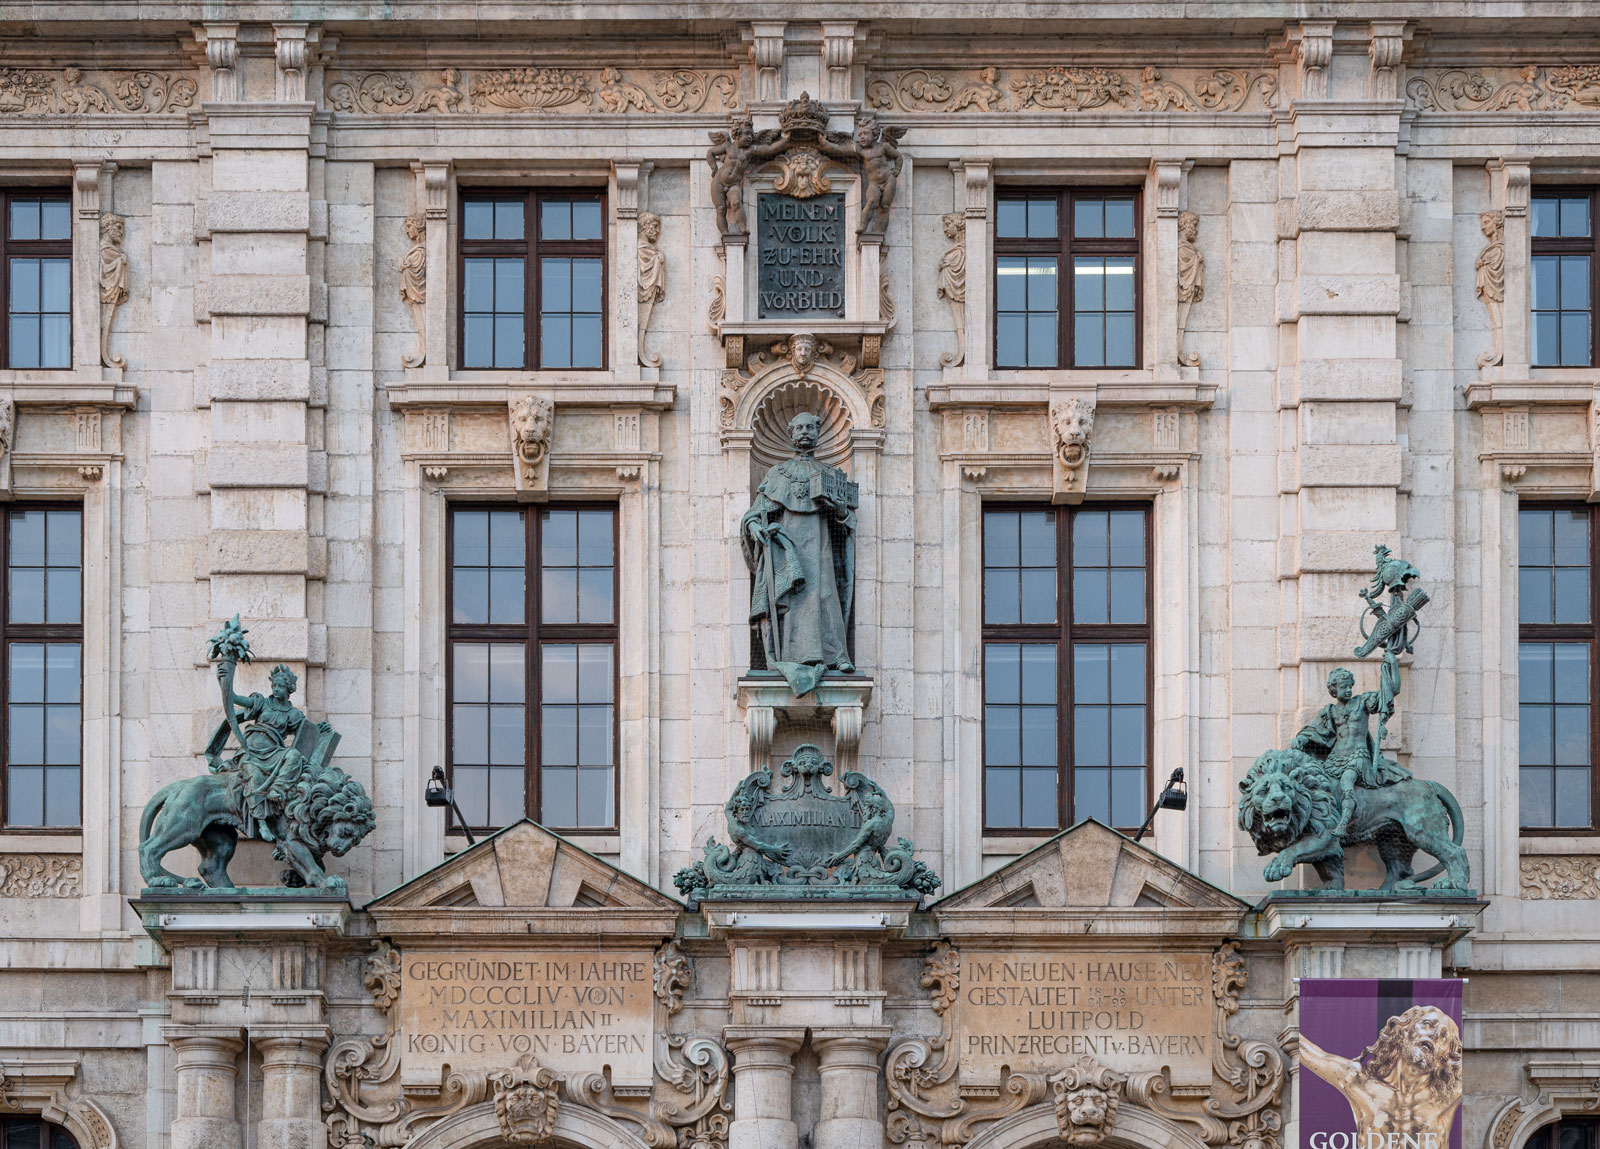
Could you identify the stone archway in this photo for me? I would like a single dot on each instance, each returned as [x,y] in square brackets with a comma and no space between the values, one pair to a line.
[477,1127]
[1136,1128]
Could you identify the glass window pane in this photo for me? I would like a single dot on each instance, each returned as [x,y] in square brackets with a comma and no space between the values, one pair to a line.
[594,594]
[471,665]
[1089,603]
[506,724]
[506,594]
[558,539]
[555,219]
[478,288]
[508,216]
[26,735]
[587,348]
[555,285]
[62,600]
[595,538]
[1039,673]
[469,734]
[1091,667]
[1572,797]
[1534,669]
[559,745]
[1572,736]
[61,807]
[1534,594]
[586,219]
[55,219]
[1536,728]
[477,341]
[555,341]
[1537,798]
[24,219]
[586,285]
[1119,218]
[506,797]
[1091,795]
[1037,537]
[1011,339]
[558,790]
[24,346]
[1002,793]
[1091,735]
[595,792]
[1546,339]
[1571,672]
[1042,339]
[1572,594]
[1011,218]
[471,784]
[1042,285]
[1546,211]
[1002,670]
[1125,531]
[1088,218]
[1127,595]
[1090,539]
[27,595]
[1119,283]
[1088,284]
[1574,338]
[558,602]
[1038,736]
[1127,672]
[25,796]
[55,341]
[560,673]
[55,292]
[65,537]
[27,538]
[477,221]
[1000,596]
[1127,797]
[1088,340]
[508,342]
[1011,283]
[1574,215]
[1121,347]
[505,672]
[594,735]
[1042,218]
[1002,735]
[1535,537]
[63,672]
[1000,538]
[1575,282]
[24,285]
[1546,282]
[26,678]
[508,297]
[1127,736]
[506,542]
[469,595]
[594,672]
[1569,538]
[1039,799]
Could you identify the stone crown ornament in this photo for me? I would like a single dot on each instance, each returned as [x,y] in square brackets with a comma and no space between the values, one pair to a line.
[803,116]
[808,841]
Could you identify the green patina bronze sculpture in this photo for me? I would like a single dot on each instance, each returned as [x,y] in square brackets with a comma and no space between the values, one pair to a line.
[799,541]
[279,787]
[1334,788]
[807,841]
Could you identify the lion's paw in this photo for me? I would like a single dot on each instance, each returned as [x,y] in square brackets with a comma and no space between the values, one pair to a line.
[1277,870]
[164,882]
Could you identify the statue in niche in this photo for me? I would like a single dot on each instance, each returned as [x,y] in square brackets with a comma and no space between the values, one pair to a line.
[1491,283]
[652,279]
[953,283]
[113,282]
[799,542]
[1191,280]
[414,285]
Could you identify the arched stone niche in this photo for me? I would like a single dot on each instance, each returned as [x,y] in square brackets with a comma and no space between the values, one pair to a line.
[1561,1089]
[1135,1128]
[477,1126]
[39,1088]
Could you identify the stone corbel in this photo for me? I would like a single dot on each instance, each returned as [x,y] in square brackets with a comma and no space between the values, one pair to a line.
[838,55]
[1509,180]
[532,421]
[1071,427]
[91,184]
[766,53]
[292,56]
[975,176]
[1386,44]
[1166,176]
[221,42]
[433,201]
[1313,52]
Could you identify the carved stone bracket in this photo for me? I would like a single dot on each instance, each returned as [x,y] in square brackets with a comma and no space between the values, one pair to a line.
[928,1103]
[1071,427]
[532,421]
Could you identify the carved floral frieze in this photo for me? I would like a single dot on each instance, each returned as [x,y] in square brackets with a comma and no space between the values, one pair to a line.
[1530,88]
[608,90]
[40,875]
[928,1103]
[1560,878]
[1073,89]
[71,91]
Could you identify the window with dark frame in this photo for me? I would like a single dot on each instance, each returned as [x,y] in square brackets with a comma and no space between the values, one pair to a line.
[532,678]
[1066,666]
[43,640]
[1563,276]
[533,279]
[1566,1135]
[36,266]
[21,1131]
[1066,278]
[1559,637]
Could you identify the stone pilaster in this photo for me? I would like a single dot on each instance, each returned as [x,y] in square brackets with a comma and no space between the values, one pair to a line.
[851,1117]
[205,1113]
[291,1087]
[763,1074]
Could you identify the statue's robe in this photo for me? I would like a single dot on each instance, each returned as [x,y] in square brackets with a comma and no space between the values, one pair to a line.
[810,578]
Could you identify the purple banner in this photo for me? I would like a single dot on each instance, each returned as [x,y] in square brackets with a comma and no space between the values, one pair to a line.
[1380,1063]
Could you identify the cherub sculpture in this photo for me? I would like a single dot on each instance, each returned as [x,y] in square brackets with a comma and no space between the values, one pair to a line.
[730,156]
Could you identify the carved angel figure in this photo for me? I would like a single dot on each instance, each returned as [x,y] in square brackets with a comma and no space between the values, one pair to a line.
[113,282]
[1491,265]
[730,156]
[953,283]
[414,284]
[652,279]
[1191,280]
[442,97]
[878,149]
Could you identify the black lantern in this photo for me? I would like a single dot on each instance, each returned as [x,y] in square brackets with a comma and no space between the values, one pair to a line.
[440,794]
[1174,797]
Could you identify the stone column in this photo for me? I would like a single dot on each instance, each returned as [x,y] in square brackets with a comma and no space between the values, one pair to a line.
[204,1115]
[763,1072]
[291,1087]
[851,1116]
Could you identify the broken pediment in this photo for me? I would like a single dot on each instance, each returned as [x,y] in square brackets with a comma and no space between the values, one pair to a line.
[1092,880]
[525,879]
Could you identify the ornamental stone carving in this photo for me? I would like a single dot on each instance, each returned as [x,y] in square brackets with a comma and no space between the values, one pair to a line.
[532,420]
[40,875]
[1491,283]
[1065,88]
[652,279]
[1085,1096]
[27,92]
[113,282]
[952,287]
[1071,426]
[1560,878]
[1528,88]
[8,424]
[1191,280]
[527,1100]
[445,96]
[414,286]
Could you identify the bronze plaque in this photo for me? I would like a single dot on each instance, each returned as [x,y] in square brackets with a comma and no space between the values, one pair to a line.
[800,246]
[1037,1009]
[575,1011]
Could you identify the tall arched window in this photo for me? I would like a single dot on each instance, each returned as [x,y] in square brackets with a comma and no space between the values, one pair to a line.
[33,1133]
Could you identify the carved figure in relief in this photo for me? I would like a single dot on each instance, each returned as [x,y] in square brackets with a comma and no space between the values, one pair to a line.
[527,1101]
[414,285]
[799,542]
[1491,283]
[531,421]
[113,282]
[618,95]
[730,156]
[8,422]
[952,286]
[878,149]
[1406,1084]
[983,95]
[1072,423]
[78,97]
[1191,280]
[652,278]
[444,96]
[1086,1096]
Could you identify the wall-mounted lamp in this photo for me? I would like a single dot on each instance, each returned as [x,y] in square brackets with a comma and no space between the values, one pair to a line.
[1174,797]
[440,794]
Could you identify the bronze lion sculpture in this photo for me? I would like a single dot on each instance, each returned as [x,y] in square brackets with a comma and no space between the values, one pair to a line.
[1289,806]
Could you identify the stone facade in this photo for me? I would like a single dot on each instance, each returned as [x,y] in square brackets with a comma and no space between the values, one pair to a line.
[265,413]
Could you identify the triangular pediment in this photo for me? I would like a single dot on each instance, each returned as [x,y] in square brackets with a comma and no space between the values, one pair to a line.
[527,873]
[1092,873]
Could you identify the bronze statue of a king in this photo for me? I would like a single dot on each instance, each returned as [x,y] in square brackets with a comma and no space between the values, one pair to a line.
[799,541]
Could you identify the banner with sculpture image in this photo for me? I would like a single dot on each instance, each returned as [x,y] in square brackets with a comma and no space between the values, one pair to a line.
[1380,1063]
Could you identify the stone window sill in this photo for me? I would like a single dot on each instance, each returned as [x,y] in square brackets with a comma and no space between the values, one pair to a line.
[1560,844]
[21,842]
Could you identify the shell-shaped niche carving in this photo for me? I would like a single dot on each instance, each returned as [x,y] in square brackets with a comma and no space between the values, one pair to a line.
[770,429]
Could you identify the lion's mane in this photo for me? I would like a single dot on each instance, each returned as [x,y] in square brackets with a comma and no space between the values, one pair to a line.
[1310,793]
[1444,1069]
[331,797]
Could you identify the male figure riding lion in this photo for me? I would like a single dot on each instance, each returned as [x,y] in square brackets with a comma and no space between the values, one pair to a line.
[279,786]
